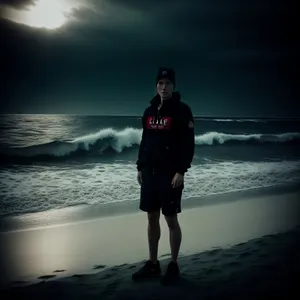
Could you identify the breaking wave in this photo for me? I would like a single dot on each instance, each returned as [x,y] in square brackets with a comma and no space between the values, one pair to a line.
[110,140]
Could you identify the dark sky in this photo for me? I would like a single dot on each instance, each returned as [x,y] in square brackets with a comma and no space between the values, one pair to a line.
[232,58]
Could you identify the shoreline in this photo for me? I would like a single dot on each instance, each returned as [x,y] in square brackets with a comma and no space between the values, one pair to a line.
[81,213]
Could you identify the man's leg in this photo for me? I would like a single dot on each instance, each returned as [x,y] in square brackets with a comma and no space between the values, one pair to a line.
[174,235]
[150,204]
[152,267]
[153,234]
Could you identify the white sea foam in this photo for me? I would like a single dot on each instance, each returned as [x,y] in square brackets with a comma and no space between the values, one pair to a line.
[118,140]
[39,188]
[241,120]
[211,138]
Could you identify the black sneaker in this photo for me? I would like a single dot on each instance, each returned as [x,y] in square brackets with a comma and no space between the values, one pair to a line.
[149,270]
[172,274]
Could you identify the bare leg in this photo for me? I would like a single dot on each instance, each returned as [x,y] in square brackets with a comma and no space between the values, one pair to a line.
[175,236]
[153,235]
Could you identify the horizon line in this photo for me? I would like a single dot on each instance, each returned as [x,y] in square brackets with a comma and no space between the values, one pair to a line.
[135,115]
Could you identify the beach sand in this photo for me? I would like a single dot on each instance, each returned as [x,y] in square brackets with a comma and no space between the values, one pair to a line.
[236,250]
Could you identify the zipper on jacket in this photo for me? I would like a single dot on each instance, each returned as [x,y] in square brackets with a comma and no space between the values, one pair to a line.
[158,117]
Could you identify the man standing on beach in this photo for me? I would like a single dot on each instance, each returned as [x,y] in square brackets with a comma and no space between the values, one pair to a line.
[165,154]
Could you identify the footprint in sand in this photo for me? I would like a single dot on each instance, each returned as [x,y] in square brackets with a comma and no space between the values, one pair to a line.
[213,252]
[270,236]
[261,242]
[114,269]
[79,275]
[240,244]
[110,289]
[131,267]
[212,271]
[96,267]
[59,271]
[228,254]
[195,258]
[123,265]
[109,275]
[164,255]
[46,276]
[233,264]
[245,254]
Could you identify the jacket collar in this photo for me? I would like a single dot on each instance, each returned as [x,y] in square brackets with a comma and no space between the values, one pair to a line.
[175,99]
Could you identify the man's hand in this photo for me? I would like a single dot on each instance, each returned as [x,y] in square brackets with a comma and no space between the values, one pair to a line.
[177,180]
[139,177]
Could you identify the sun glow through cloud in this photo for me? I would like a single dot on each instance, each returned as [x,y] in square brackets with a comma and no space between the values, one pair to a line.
[49,14]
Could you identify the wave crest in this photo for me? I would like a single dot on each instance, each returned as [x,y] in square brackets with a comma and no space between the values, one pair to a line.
[213,138]
[111,140]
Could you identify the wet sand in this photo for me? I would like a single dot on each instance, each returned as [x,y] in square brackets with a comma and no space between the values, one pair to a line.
[240,249]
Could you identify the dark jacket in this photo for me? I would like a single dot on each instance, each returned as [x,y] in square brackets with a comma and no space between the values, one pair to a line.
[168,139]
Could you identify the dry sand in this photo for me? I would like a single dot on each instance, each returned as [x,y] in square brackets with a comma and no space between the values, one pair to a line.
[230,250]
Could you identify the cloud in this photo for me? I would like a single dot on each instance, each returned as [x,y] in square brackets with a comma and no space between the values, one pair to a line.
[110,35]
[18,4]
[186,25]
[210,32]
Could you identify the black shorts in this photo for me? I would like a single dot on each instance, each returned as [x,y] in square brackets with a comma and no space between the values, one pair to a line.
[157,193]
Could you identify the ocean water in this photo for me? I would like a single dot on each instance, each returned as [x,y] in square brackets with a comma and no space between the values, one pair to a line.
[55,161]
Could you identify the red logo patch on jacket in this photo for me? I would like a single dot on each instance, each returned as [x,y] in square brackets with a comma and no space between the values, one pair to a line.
[191,125]
[163,123]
